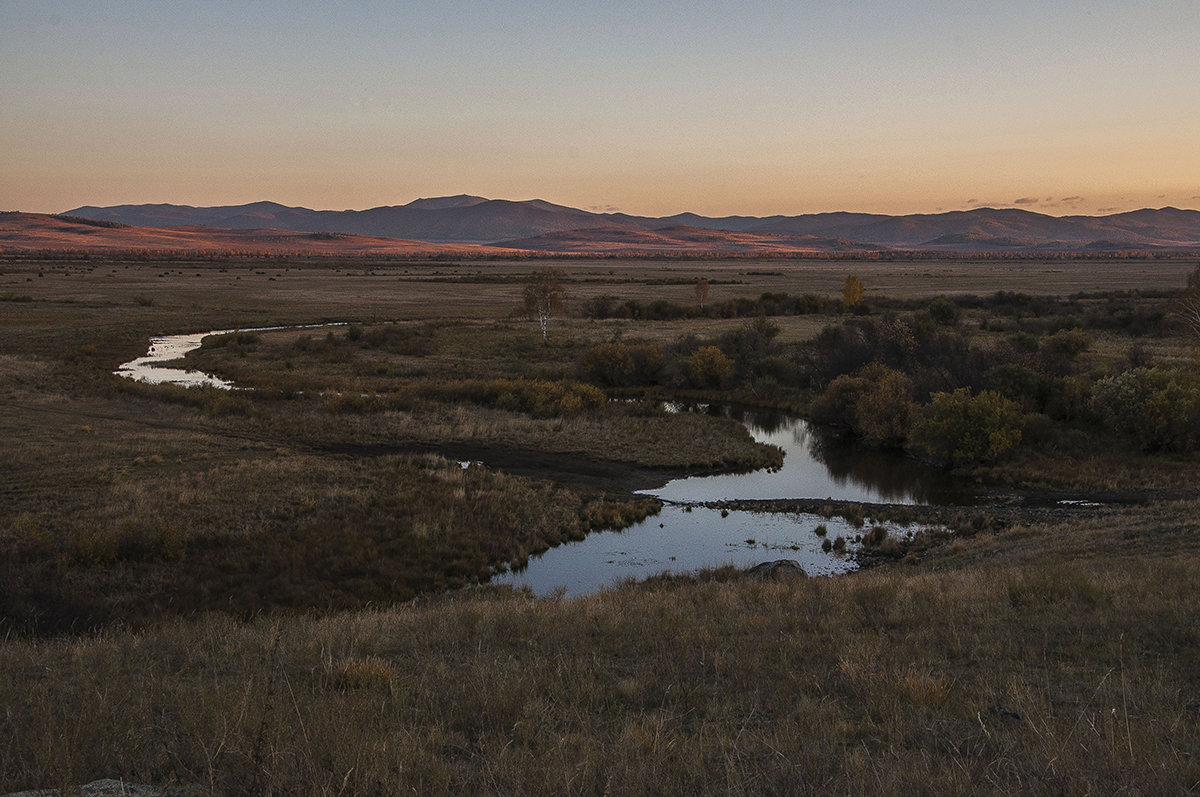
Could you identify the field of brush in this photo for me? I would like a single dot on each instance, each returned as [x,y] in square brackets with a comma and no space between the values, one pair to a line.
[282,589]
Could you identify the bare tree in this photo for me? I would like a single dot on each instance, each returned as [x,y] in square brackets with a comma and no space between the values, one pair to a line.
[701,292]
[545,295]
[1189,303]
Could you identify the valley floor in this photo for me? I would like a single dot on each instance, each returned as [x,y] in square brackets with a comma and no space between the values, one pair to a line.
[279,594]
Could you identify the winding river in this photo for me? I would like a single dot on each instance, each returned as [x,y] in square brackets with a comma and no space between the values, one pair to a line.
[150,367]
[686,535]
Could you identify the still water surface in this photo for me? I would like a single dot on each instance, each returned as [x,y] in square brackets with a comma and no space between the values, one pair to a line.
[685,537]
[165,348]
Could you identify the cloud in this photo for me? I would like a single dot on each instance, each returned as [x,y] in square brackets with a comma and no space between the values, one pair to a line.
[604,209]
[1025,200]
[1072,199]
[1107,210]
[976,201]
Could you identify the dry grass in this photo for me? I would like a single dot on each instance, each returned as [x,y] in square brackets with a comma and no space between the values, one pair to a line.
[1051,676]
[1058,657]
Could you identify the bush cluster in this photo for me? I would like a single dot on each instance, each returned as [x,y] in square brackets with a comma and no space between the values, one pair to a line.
[768,304]
[538,397]
[624,364]
[1157,407]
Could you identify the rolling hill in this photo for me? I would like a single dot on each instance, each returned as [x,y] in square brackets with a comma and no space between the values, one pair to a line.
[682,240]
[33,232]
[466,219]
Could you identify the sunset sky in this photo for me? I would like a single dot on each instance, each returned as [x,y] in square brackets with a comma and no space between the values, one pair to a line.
[756,107]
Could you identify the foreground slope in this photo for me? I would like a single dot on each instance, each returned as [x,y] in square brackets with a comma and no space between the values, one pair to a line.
[1013,666]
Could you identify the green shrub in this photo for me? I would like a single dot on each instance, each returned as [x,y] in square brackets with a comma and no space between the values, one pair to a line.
[875,404]
[883,412]
[538,397]
[623,364]
[709,367]
[836,404]
[943,312]
[1018,383]
[959,428]
[1063,349]
[1023,342]
[1158,407]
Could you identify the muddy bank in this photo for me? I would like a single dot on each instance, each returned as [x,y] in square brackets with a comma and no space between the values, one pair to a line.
[1002,508]
[569,470]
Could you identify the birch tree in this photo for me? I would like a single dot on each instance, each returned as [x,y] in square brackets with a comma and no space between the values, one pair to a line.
[1189,305]
[544,296]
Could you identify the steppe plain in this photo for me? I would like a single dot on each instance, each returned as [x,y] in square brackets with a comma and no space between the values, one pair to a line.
[274,591]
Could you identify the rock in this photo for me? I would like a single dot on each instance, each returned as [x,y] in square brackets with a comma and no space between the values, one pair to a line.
[777,569]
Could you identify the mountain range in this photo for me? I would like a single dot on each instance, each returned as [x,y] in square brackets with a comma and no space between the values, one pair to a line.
[544,226]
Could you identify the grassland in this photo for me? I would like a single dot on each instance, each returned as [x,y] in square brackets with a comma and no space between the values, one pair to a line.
[219,584]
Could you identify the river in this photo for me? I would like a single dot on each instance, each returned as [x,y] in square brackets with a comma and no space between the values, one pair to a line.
[686,536]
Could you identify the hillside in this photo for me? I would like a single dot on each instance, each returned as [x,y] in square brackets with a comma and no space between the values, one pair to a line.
[476,220]
[681,240]
[27,232]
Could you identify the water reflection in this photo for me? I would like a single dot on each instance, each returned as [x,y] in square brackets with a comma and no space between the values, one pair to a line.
[149,367]
[165,348]
[816,464]
[684,538]
[681,540]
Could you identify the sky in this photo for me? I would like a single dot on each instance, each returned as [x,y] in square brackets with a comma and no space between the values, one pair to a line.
[652,108]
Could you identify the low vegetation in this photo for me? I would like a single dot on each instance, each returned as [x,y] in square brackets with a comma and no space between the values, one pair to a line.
[1008,670]
[282,589]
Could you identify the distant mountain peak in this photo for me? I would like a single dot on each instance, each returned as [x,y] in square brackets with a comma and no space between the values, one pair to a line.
[446,202]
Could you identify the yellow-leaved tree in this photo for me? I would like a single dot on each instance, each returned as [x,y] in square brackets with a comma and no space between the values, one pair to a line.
[852,292]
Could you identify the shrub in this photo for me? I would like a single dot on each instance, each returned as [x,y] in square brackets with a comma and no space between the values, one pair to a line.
[875,404]
[836,404]
[608,364]
[1070,399]
[538,397]
[883,412]
[943,312]
[1023,342]
[1158,407]
[958,428]
[622,364]
[406,339]
[1063,349]
[709,367]
[599,306]
[1018,383]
